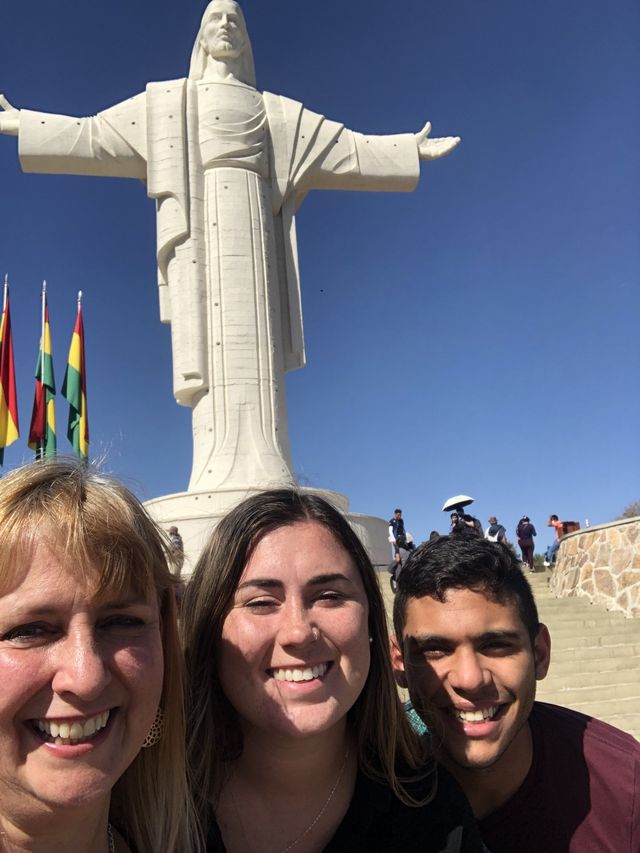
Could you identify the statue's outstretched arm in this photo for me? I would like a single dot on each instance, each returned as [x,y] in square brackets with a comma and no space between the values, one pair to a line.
[112,143]
[431,149]
[9,118]
[357,161]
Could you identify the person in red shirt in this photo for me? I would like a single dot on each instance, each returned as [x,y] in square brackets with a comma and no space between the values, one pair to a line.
[470,648]
[552,549]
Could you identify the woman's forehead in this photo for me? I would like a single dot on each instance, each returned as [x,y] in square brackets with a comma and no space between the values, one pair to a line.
[300,550]
[44,558]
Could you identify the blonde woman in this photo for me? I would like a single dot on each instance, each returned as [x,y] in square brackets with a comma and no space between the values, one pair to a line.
[91,713]
[297,739]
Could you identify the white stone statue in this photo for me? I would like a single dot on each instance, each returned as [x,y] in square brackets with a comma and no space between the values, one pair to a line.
[228,166]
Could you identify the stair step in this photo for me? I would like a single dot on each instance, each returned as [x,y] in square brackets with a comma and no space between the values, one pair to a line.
[558,607]
[550,600]
[603,708]
[604,693]
[583,627]
[561,666]
[562,640]
[566,652]
[559,681]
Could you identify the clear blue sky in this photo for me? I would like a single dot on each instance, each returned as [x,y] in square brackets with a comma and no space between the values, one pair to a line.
[479,335]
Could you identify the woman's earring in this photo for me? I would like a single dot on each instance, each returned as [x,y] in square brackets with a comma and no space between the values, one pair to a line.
[371,639]
[156,730]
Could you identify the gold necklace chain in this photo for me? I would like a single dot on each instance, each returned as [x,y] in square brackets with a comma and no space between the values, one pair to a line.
[302,835]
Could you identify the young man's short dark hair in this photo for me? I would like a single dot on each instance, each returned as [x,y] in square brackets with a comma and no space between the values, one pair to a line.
[465,562]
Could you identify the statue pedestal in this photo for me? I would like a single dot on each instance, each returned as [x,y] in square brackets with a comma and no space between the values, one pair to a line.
[195,514]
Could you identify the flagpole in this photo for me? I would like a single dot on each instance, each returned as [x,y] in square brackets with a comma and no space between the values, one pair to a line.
[82,367]
[6,289]
[44,428]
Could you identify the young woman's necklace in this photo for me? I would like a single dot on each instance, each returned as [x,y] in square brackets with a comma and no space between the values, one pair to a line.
[302,835]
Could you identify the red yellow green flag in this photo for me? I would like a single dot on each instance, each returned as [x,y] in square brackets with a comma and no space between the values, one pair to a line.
[9,429]
[74,389]
[42,432]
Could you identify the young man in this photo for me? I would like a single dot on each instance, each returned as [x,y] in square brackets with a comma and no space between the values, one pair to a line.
[470,648]
[398,535]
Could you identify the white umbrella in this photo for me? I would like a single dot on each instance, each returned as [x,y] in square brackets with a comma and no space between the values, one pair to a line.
[457,502]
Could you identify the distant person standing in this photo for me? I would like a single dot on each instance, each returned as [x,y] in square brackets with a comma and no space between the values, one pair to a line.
[495,532]
[550,555]
[177,546]
[398,535]
[525,531]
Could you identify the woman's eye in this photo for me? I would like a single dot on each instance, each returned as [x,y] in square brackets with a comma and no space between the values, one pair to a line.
[330,596]
[31,631]
[260,603]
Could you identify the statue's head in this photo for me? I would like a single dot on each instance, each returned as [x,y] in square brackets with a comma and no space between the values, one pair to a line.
[223,35]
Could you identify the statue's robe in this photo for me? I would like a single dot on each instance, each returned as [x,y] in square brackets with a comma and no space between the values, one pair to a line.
[228,168]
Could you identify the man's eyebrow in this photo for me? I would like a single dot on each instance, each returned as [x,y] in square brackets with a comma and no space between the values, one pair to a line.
[427,639]
[488,636]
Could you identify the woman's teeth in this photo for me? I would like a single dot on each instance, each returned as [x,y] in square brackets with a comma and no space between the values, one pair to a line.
[306,674]
[61,732]
[475,716]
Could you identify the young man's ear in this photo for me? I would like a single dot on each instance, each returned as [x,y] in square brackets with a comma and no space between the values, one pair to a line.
[542,652]
[397,662]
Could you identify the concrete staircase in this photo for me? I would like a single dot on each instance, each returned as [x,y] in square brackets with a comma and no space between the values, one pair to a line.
[595,658]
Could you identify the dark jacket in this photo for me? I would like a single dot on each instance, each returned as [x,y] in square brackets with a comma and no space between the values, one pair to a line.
[525,532]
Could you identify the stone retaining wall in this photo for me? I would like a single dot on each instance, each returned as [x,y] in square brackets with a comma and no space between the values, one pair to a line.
[603,564]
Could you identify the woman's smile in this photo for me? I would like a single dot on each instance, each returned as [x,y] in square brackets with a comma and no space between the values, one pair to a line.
[82,677]
[294,655]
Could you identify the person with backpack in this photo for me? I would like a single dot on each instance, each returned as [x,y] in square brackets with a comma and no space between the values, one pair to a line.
[495,532]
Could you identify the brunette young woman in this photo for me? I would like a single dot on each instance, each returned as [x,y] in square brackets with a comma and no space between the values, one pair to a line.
[297,739]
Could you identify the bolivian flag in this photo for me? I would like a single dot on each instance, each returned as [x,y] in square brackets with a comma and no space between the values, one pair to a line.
[9,429]
[74,389]
[42,432]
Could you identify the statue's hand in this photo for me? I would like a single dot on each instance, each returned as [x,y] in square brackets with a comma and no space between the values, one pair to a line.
[9,118]
[431,149]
